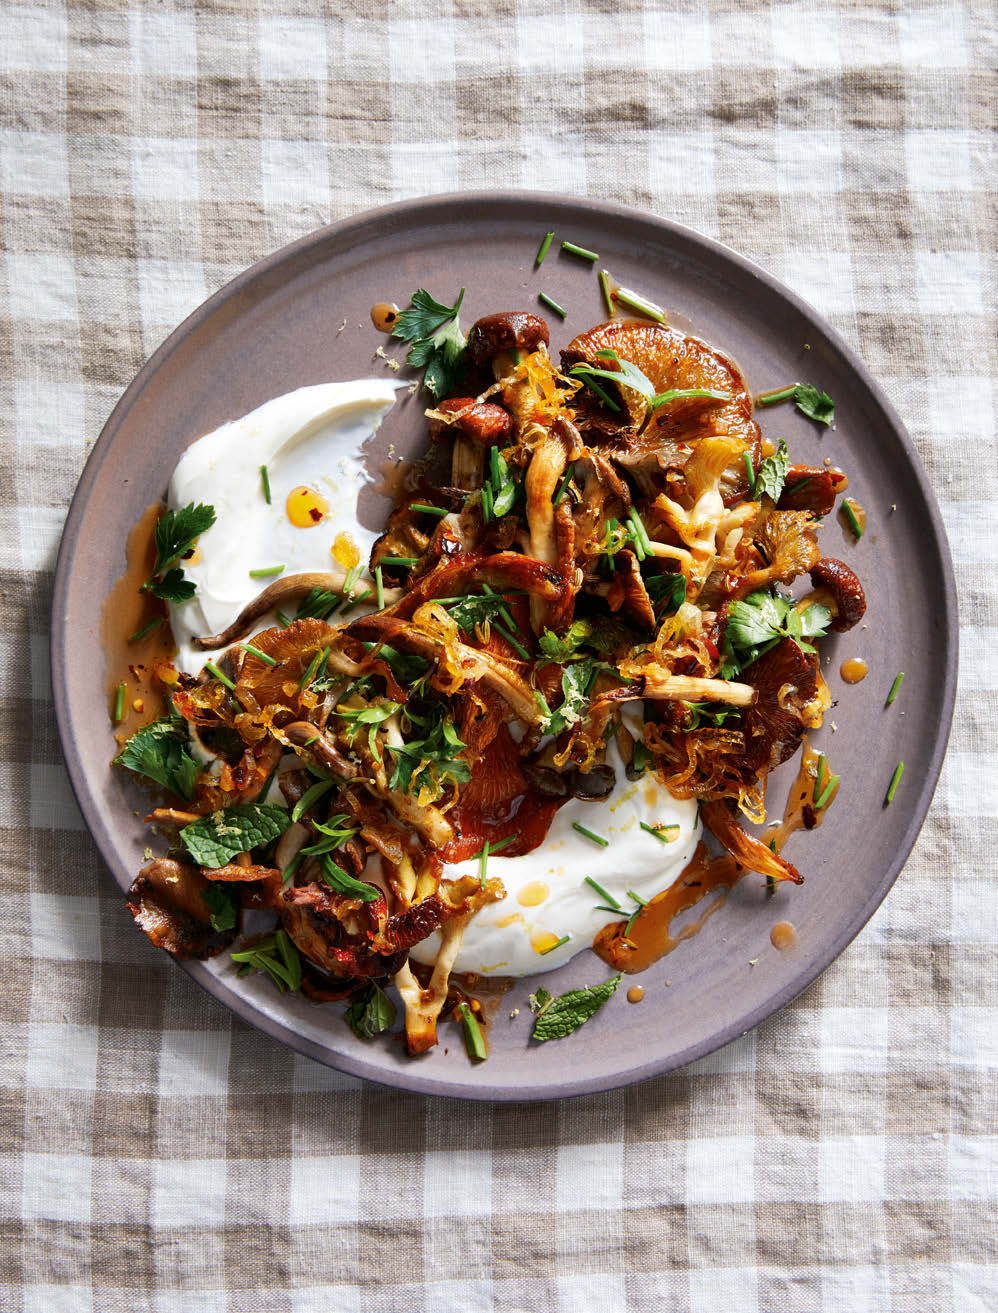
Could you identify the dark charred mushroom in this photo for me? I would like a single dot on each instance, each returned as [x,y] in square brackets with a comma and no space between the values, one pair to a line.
[303,734]
[482,421]
[846,592]
[548,782]
[167,901]
[810,488]
[594,784]
[513,330]
[786,680]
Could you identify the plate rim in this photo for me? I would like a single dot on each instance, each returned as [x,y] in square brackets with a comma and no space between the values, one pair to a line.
[410,1079]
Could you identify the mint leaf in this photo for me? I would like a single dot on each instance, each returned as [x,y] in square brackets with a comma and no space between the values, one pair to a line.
[772,473]
[158,751]
[814,404]
[216,839]
[370,1012]
[224,905]
[558,1017]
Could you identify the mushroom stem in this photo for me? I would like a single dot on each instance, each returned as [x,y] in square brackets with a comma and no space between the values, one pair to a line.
[690,688]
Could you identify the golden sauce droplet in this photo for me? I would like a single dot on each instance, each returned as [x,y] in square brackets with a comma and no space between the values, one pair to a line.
[783,936]
[860,514]
[384,315]
[651,934]
[531,895]
[305,507]
[510,920]
[635,994]
[543,941]
[853,670]
[345,551]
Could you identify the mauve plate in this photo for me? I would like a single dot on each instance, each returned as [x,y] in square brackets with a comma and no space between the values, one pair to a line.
[278,327]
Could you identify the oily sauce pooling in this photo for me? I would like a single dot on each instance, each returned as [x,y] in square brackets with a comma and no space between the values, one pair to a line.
[384,315]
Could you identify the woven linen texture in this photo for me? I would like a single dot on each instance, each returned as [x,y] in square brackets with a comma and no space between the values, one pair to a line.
[157,1154]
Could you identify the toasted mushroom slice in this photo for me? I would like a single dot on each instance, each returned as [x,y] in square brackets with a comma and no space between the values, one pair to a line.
[484,422]
[546,467]
[848,601]
[811,488]
[167,901]
[787,702]
[720,820]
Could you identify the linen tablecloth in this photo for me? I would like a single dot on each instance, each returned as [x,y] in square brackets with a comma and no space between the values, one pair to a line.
[159,1155]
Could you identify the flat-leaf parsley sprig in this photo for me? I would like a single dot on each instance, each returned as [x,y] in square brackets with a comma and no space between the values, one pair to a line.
[437,341]
[176,533]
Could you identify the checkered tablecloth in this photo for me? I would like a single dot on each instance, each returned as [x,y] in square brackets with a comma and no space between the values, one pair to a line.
[157,1154]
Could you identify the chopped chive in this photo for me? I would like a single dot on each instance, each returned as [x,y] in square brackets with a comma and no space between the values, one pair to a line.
[544,247]
[826,793]
[473,1040]
[551,947]
[631,919]
[793,487]
[894,687]
[781,394]
[494,847]
[408,561]
[313,667]
[309,798]
[118,715]
[660,831]
[511,639]
[255,651]
[616,907]
[817,783]
[640,533]
[770,882]
[483,862]
[604,285]
[265,480]
[380,586]
[282,619]
[266,572]
[598,388]
[139,634]
[850,515]
[424,509]
[356,601]
[641,902]
[488,499]
[602,907]
[895,781]
[596,838]
[637,302]
[292,866]
[580,251]
[750,471]
[551,304]
[560,490]
[224,679]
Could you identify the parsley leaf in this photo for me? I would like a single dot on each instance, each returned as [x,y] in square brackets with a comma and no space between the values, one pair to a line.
[370,1012]
[814,404]
[159,752]
[223,904]
[757,622]
[433,760]
[437,341]
[772,473]
[216,839]
[566,647]
[177,531]
[472,611]
[173,587]
[558,1017]
[576,681]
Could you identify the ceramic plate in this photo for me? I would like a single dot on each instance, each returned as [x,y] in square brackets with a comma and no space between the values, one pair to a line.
[302,316]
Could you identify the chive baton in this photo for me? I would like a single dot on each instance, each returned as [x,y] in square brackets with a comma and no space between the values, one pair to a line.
[634,301]
[408,561]
[751,473]
[818,781]
[826,794]
[212,669]
[557,944]
[780,394]
[544,247]
[596,838]
[261,656]
[493,847]
[663,833]
[424,509]
[118,714]
[560,491]
[850,515]
[265,480]
[604,287]
[482,864]
[894,687]
[139,634]
[551,304]
[598,388]
[266,572]
[474,1041]
[615,906]
[895,781]
[580,251]
[313,668]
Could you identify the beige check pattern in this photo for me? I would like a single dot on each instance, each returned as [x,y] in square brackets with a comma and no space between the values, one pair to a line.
[158,1155]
